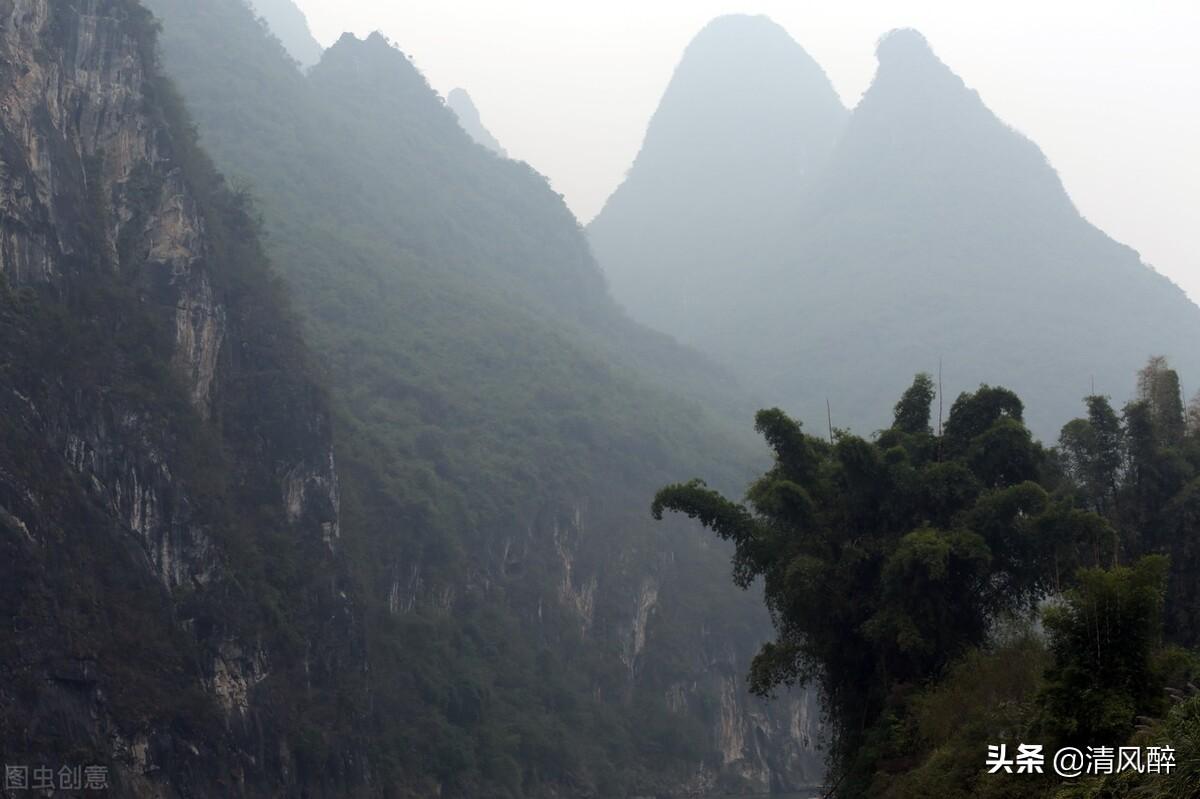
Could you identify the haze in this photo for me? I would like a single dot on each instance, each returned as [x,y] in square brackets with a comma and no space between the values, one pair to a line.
[1106,89]
[337,458]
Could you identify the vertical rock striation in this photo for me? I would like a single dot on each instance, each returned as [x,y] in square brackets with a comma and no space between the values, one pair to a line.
[168,496]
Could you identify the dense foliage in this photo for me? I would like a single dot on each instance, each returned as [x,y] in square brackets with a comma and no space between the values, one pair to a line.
[500,422]
[1140,469]
[1113,636]
[900,571]
[524,631]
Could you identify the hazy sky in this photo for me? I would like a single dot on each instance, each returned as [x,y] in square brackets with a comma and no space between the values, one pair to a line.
[1109,90]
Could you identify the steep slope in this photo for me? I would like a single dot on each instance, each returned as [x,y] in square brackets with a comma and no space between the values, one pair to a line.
[288,24]
[938,231]
[934,231]
[173,587]
[502,428]
[746,119]
[468,116]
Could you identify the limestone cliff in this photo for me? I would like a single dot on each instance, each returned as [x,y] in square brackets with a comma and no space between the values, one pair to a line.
[161,434]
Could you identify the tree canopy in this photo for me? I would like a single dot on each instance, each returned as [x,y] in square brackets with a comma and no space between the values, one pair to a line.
[887,563]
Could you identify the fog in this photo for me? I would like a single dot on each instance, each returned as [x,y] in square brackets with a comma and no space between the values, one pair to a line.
[835,453]
[1106,89]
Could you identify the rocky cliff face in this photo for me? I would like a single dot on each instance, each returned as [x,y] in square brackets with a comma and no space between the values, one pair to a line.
[160,432]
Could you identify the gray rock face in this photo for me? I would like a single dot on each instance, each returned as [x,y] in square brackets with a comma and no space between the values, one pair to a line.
[141,469]
[71,128]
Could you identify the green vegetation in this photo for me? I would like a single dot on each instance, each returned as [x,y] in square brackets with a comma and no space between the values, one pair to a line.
[499,424]
[903,573]
[498,617]
[1102,639]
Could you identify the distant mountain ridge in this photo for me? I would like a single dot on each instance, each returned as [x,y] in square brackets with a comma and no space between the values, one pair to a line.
[747,117]
[931,232]
[468,116]
[290,26]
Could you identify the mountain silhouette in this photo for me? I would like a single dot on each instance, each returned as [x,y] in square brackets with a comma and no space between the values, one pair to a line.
[290,26]
[746,118]
[932,232]
[468,116]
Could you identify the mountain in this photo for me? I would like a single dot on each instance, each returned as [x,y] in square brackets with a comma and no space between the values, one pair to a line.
[177,601]
[288,23]
[468,116]
[501,427]
[744,123]
[931,232]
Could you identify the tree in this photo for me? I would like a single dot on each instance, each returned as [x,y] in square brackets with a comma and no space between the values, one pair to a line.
[880,563]
[974,414]
[1094,454]
[914,408]
[1192,416]
[1158,387]
[1138,470]
[1181,521]
[1103,638]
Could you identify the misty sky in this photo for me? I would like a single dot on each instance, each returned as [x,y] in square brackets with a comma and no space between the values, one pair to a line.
[1109,90]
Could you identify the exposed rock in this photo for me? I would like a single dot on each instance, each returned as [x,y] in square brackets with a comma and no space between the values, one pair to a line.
[143,467]
[522,531]
[647,600]
[234,675]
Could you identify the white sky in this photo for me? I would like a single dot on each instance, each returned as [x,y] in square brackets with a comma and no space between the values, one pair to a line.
[1109,90]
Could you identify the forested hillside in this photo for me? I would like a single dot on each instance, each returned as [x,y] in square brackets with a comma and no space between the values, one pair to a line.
[931,232]
[501,427]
